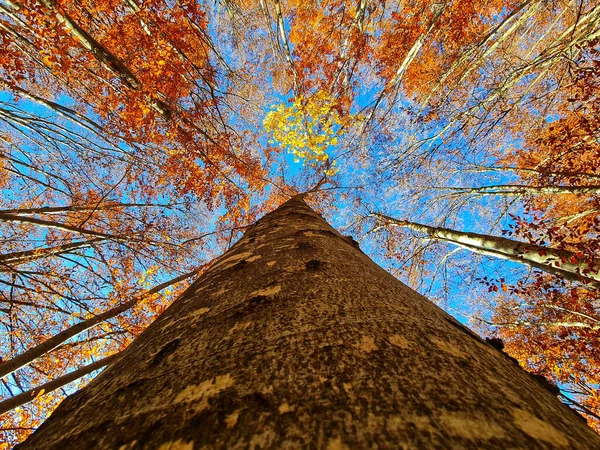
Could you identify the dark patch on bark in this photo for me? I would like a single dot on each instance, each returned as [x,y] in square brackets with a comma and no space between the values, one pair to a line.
[258,299]
[303,245]
[462,362]
[241,265]
[101,427]
[496,343]
[327,356]
[313,265]
[165,351]
[258,402]
[300,213]
[548,385]
[152,436]
[205,427]
[237,315]
[225,404]
[350,240]
[130,390]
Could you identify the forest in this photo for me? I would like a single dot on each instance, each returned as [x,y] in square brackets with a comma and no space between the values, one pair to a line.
[456,141]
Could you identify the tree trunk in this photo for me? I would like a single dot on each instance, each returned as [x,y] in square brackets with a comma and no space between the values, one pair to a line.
[521,189]
[557,262]
[294,338]
[8,261]
[105,57]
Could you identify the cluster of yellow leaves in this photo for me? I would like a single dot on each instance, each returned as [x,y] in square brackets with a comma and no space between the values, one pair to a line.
[145,279]
[307,128]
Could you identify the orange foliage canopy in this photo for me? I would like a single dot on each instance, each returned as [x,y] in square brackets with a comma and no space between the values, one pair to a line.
[145,70]
[460,25]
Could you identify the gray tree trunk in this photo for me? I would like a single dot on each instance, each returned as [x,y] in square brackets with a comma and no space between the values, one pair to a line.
[296,339]
[558,262]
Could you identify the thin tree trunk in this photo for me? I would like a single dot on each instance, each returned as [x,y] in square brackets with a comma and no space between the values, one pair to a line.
[500,32]
[558,262]
[27,357]
[556,324]
[519,189]
[412,53]
[286,45]
[9,260]
[296,339]
[344,62]
[57,225]
[74,208]
[542,173]
[61,110]
[27,396]
[104,56]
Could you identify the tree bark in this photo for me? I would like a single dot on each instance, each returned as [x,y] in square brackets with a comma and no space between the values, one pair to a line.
[294,338]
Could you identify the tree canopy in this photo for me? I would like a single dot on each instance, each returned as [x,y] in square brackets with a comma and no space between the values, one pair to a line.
[456,141]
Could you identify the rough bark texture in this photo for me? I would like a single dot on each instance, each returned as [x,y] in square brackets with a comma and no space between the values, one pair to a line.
[296,339]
